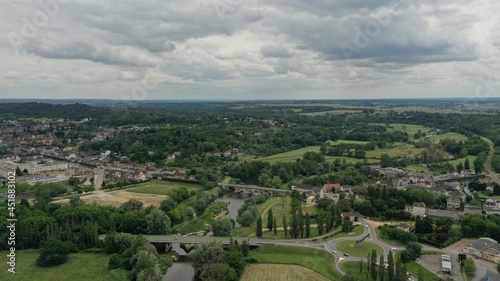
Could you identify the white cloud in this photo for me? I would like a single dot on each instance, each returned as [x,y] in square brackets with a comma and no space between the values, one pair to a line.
[248,49]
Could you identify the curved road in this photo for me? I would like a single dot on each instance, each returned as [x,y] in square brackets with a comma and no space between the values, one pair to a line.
[328,246]
[487,165]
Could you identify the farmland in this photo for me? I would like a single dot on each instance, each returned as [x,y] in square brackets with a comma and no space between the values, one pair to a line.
[317,260]
[293,155]
[278,272]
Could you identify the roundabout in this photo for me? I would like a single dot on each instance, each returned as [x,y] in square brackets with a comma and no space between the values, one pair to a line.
[358,250]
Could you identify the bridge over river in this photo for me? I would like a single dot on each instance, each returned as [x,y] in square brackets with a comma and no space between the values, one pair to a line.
[175,241]
[251,188]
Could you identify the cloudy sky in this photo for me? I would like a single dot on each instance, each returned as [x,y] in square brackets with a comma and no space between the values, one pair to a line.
[249,49]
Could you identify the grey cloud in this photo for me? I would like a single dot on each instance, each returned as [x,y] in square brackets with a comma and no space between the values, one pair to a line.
[276,51]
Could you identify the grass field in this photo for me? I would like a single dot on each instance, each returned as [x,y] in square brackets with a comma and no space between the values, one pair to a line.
[293,155]
[337,142]
[453,136]
[352,267]
[361,250]
[316,260]
[422,168]
[411,129]
[280,206]
[289,156]
[80,267]
[413,267]
[280,272]
[162,187]
[455,162]
[396,149]
[358,230]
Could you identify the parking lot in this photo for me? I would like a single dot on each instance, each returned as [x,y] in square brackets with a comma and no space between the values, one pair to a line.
[433,264]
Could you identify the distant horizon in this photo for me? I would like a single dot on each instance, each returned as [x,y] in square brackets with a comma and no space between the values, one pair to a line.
[243,99]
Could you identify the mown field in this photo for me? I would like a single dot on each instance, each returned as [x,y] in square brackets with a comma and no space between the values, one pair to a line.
[411,129]
[453,136]
[412,267]
[80,267]
[293,155]
[331,112]
[162,187]
[279,272]
[395,150]
[360,250]
[316,260]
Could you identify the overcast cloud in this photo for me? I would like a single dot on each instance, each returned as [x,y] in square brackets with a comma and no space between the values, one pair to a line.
[255,49]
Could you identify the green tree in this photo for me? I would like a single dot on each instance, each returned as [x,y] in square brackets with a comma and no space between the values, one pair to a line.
[285,225]
[53,252]
[294,231]
[207,254]
[270,219]
[469,267]
[373,265]
[328,221]
[131,205]
[218,271]
[275,226]
[222,227]
[73,181]
[415,249]
[390,266]
[466,164]
[319,220]
[381,269]
[75,201]
[308,225]
[347,226]
[259,227]
[385,160]
[157,222]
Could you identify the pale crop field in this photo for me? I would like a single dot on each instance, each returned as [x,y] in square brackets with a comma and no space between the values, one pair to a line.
[280,272]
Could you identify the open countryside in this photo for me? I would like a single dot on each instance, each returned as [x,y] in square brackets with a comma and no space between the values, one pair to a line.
[315,194]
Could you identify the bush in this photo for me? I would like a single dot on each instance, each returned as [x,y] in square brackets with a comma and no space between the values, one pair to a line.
[53,252]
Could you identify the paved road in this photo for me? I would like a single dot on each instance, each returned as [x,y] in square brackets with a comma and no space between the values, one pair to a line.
[99,178]
[488,166]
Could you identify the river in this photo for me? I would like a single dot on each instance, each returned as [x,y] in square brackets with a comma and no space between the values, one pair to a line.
[183,270]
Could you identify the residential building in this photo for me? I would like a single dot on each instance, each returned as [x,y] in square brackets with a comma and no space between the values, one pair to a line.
[404,227]
[418,209]
[491,204]
[472,210]
[453,202]
[351,215]
[436,214]
[311,200]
